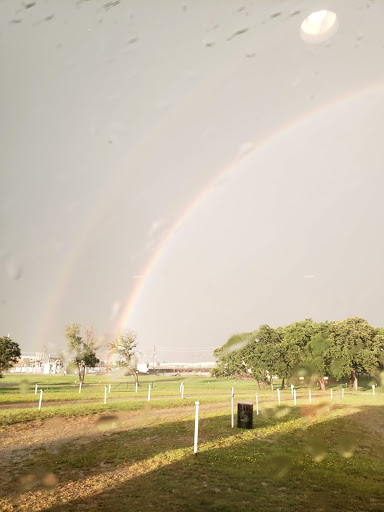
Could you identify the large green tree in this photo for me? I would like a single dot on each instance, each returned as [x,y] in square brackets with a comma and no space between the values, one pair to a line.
[318,352]
[343,348]
[229,356]
[9,354]
[296,337]
[358,348]
[124,350]
[269,341]
[82,349]
[254,360]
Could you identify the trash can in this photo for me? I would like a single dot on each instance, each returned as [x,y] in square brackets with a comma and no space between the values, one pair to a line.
[244,415]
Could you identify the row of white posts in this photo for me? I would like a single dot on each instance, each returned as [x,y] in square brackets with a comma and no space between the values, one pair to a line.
[293,391]
[232,397]
[197,403]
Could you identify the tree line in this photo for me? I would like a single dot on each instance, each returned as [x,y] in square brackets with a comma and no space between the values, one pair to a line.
[313,350]
[82,350]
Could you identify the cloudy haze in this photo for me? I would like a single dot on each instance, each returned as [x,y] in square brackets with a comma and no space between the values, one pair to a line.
[188,169]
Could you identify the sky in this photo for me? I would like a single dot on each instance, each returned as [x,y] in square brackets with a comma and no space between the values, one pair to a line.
[188,169]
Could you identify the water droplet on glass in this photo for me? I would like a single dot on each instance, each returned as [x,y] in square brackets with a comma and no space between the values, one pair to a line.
[27,482]
[162,105]
[14,270]
[115,310]
[296,81]
[24,387]
[238,33]
[316,449]
[346,446]
[190,74]
[208,42]
[245,148]
[279,466]
[49,481]
[282,411]
[109,5]
[107,422]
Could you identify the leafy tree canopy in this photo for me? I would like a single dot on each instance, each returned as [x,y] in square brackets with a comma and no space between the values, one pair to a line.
[337,349]
[9,354]
[83,350]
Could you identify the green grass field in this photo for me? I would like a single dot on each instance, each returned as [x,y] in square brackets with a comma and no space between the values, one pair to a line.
[78,453]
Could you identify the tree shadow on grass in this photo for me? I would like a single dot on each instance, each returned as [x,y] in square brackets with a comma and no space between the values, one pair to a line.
[329,465]
[108,450]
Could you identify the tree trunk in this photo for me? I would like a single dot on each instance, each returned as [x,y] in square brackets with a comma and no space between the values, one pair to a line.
[355,379]
[322,384]
[134,373]
[350,385]
[81,373]
[283,383]
[264,384]
[271,383]
[258,384]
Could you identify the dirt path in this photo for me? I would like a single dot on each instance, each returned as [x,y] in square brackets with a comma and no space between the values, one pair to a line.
[19,442]
[63,429]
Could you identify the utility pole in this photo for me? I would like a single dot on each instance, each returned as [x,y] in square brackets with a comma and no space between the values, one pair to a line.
[153,359]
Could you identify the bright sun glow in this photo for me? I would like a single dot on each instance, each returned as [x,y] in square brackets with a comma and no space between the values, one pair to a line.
[317,17]
[319,26]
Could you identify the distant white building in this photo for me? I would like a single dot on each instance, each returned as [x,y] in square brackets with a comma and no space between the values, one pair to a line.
[37,362]
[142,368]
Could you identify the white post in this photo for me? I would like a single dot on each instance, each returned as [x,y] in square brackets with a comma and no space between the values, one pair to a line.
[232,418]
[373,390]
[105,394]
[257,404]
[342,392]
[294,396]
[149,393]
[80,387]
[181,385]
[36,389]
[310,396]
[41,398]
[331,394]
[196,427]
[182,391]
[136,387]
[109,388]
[292,386]
[278,395]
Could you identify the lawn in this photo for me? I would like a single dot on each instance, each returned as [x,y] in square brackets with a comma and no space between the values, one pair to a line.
[131,454]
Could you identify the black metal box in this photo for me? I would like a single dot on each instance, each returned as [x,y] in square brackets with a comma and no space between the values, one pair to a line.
[244,415]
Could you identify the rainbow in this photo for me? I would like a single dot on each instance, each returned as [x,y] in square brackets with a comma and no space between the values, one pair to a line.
[188,212]
[52,300]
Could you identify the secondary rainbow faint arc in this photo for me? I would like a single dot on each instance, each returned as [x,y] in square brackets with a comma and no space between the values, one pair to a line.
[126,315]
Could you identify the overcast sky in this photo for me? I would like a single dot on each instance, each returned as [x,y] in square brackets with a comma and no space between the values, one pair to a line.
[188,169]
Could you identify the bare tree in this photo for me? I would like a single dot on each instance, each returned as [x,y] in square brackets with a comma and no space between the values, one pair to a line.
[124,349]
